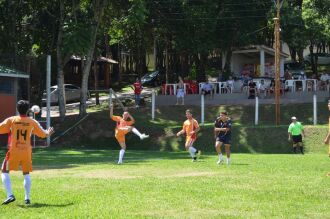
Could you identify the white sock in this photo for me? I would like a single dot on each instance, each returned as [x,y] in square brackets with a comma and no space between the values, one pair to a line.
[192,151]
[27,185]
[135,131]
[121,155]
[220,156]
[6,183]
[228,160]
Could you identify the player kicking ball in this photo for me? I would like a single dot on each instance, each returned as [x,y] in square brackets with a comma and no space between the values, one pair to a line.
[222,132]
[20,128]
[124,126]
[190,128]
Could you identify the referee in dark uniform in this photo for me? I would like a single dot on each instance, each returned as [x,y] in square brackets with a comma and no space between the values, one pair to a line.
[222,133]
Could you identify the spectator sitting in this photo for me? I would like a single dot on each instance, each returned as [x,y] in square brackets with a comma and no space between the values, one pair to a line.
[245,81]
[323,85]
[262,89]
[325,77]
[287,75]
[272,87]
[252,90]
[207,88]
[230,84]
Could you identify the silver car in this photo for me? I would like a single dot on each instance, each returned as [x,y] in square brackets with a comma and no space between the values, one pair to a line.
[72,93]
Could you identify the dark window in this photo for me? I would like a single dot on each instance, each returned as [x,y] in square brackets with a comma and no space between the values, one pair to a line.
[71,87]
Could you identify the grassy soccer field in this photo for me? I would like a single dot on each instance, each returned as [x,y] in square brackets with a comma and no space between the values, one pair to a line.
[69,183]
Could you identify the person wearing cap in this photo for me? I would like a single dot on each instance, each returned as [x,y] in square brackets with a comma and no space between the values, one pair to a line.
[296,132]
[327,138]
[222,134]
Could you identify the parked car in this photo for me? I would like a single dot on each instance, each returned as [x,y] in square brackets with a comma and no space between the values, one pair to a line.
[72,93]
[299,76]
[322,59]
[296,69]
[154,78]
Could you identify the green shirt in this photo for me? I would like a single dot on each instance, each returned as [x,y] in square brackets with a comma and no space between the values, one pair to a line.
[295,128]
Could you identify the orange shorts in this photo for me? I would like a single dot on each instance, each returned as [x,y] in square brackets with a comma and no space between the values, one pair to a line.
[190,141]
[120,134]
[14,160]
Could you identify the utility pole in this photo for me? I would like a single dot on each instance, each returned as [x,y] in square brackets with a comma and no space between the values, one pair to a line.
[277,62]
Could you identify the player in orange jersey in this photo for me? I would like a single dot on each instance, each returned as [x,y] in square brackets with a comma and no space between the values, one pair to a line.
[190,128]
[19,130]
[124,126]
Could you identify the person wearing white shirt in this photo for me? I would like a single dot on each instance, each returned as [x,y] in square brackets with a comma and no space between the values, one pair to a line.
[230,84]
[207,88]
[262,89]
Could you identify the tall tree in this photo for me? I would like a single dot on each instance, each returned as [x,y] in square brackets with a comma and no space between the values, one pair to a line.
[95,8]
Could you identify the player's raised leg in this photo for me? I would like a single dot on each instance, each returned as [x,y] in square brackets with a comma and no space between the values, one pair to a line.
[141,135]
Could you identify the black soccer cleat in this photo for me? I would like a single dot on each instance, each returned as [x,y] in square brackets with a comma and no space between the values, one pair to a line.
[27,201]
[9,200]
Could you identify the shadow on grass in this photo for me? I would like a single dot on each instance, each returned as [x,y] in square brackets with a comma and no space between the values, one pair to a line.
[44,205]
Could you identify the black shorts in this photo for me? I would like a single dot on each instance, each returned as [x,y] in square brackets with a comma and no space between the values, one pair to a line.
[296,138]
[224,139]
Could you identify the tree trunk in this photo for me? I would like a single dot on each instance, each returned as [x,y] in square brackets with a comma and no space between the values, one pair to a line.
[293,54]
[99,6]
[96,82]
[60,65]
[85,74]
[313,58]
[227,67]
[300,53]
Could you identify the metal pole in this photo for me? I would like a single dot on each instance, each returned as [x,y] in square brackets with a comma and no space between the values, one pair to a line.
[34,136]
[256,120]
[153,105]
[202,109]
[315,109]
[48,78]
[110,97]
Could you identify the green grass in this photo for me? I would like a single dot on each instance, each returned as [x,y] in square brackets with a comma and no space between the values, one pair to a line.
[72,183]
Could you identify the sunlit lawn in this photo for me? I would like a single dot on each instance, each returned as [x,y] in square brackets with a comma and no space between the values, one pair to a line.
[89,184]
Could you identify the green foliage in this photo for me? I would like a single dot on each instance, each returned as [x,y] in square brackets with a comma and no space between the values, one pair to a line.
[128,26]
[193,72]
[76,38]
[292,25]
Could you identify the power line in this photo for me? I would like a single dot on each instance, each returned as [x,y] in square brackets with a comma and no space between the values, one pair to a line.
[208,18]
[181,13]
[225,4]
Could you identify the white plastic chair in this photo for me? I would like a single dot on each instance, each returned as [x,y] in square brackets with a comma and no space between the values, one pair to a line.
[289,84]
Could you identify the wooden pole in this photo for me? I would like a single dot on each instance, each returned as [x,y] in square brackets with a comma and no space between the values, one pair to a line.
[277,64]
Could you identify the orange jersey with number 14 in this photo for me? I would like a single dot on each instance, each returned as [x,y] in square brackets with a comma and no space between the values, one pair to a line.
[20,129]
